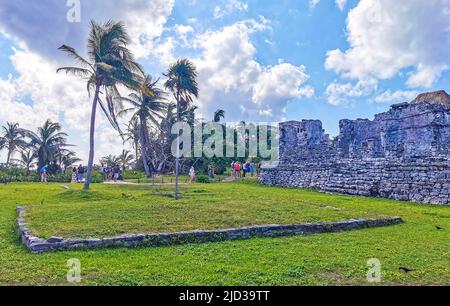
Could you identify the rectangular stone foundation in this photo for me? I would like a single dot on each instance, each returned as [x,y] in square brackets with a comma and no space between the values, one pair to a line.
[38,245]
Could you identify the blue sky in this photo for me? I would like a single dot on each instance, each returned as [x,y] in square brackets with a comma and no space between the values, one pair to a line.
[259,60]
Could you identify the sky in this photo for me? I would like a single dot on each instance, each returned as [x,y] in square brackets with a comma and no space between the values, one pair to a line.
[259,60]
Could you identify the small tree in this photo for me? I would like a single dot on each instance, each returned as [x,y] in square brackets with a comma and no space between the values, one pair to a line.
[125,159]
[182,83]
[12,139]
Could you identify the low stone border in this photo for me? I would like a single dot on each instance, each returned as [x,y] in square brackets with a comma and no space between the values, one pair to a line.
[38,245]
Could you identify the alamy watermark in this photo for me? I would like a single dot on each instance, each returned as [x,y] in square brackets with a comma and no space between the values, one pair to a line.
[231,140]
[74,272]
[374,273]
[74,13]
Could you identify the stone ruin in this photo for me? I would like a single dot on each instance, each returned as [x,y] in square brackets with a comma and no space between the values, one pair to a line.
[403,154]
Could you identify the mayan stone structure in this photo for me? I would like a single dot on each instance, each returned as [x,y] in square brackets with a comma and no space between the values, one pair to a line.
[403,154]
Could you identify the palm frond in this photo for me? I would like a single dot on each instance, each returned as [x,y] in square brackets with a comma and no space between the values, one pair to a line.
[73,53]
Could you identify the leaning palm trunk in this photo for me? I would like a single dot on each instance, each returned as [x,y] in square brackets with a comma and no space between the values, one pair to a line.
[91,138]
[142,139]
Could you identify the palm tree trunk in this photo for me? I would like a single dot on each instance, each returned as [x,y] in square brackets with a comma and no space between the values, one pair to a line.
[8,158]
[136,148]
[144,147]
[91,138]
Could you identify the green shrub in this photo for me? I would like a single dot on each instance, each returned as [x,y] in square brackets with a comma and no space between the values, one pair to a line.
[97,177]
[60,177]
[203,179]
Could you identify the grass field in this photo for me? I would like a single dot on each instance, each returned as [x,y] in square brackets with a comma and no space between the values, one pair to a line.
[326,259]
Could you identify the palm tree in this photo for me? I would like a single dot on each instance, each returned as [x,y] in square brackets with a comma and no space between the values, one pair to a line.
[110,161]
[110,64]
[125,159]
[12,139]
[48,142]
[132,134]
[67,158]
[218,115]
[181,81]
[146,108]
[27,160]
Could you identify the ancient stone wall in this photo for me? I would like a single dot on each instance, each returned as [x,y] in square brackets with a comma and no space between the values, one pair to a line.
[403,154]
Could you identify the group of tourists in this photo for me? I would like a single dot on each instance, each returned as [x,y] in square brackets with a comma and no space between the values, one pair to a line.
[240,170]
[111,173]
[78,174]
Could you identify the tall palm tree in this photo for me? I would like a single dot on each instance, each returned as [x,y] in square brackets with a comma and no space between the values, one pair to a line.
[125,159]
[218,115]
[27,159]
[146,108]
[12,139]
[48,142]
[182,82]
[110,63]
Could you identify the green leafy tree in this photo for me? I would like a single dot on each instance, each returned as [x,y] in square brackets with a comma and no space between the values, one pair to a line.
[67,158]
[110,160]
[125,159]
[132,135]
[147,107]
[12,139]
[110,63]
[48,142]
[27,160]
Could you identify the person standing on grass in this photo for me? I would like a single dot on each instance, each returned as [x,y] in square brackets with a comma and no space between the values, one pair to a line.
[192,175]
[252,168]
[74,175]
[232,169]
[237,169]
[116,173]
[43,173]
[80,174]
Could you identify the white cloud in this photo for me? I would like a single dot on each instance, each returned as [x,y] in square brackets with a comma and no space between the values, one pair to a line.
[230,7]
[145,20]
[397,96]
[231,78]
[341,4]
[183,31]
[281,83]
[313,3]
[49,93]
[339,93]
[387,36]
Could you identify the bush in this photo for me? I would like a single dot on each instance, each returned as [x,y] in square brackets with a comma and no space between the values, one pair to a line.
[60,177]
[14,174]
[203,179]
[21,176]
[97,177]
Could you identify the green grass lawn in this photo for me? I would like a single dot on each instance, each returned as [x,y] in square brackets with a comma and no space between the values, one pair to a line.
[325,259]
[113,210]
